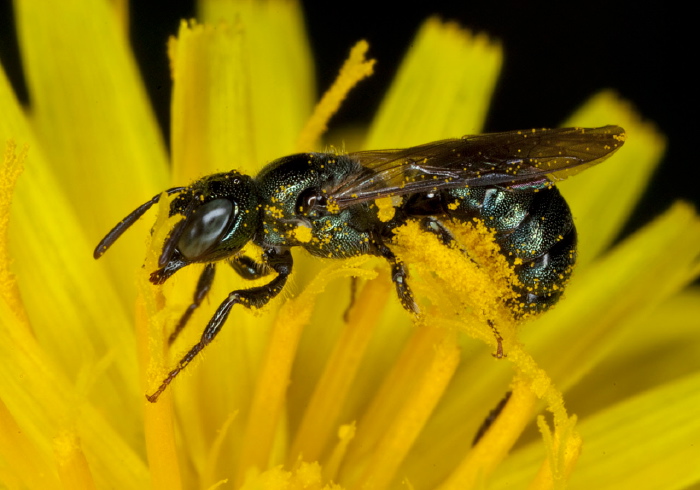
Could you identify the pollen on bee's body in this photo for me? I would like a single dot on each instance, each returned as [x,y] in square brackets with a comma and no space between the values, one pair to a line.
[303,234]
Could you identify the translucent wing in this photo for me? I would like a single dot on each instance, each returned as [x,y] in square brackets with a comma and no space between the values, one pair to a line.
[507,159]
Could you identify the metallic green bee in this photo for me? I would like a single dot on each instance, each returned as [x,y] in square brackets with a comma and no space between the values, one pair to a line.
[506,179]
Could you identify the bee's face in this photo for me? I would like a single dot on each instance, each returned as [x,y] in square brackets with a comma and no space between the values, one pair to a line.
[220,218]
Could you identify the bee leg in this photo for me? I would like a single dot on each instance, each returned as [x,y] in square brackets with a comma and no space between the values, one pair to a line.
[248,268]
[203,287]
[431,225]
[280,262]
[499,354]
[399,274]
[436,228]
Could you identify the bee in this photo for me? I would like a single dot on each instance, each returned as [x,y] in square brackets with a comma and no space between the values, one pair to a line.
[324,203]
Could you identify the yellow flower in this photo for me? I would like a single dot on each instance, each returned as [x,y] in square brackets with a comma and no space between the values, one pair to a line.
[294,396]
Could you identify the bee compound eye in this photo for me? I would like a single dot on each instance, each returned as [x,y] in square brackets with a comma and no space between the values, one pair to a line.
[205,227]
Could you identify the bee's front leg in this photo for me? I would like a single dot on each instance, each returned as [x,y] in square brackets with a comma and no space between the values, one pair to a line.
[248,268]
[279,261]
[244,266]
[203,287]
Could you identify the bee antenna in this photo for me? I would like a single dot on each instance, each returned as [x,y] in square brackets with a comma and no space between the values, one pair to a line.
[122,226]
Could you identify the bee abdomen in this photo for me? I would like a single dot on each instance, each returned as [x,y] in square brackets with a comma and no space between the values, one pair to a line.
[535,231]
[545,243]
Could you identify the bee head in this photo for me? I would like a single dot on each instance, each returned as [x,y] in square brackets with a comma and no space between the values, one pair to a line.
[220,216]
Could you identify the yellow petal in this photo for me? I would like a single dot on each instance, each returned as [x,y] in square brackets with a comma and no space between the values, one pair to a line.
[73,468]
[279,67]
[242,87]
[483,460]
[355,68]
[435,97]
[661,346]
[25,462]
[323,407]
[59,281]
[307,476]
[398,413]
[648,441]
[614,294]
[92,118]
[43,402]
[152,329]
[10,169]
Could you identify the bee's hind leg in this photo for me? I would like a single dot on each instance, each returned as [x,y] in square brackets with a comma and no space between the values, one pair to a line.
[436,228]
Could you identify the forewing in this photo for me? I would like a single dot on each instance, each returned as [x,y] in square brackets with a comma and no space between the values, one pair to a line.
[506,159]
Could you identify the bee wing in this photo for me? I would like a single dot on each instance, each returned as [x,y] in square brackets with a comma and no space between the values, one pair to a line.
[507,159]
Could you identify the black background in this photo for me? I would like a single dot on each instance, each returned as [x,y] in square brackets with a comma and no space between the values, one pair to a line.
[556,55]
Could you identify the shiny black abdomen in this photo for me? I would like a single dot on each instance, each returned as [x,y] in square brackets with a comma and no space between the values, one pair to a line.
[532,224]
